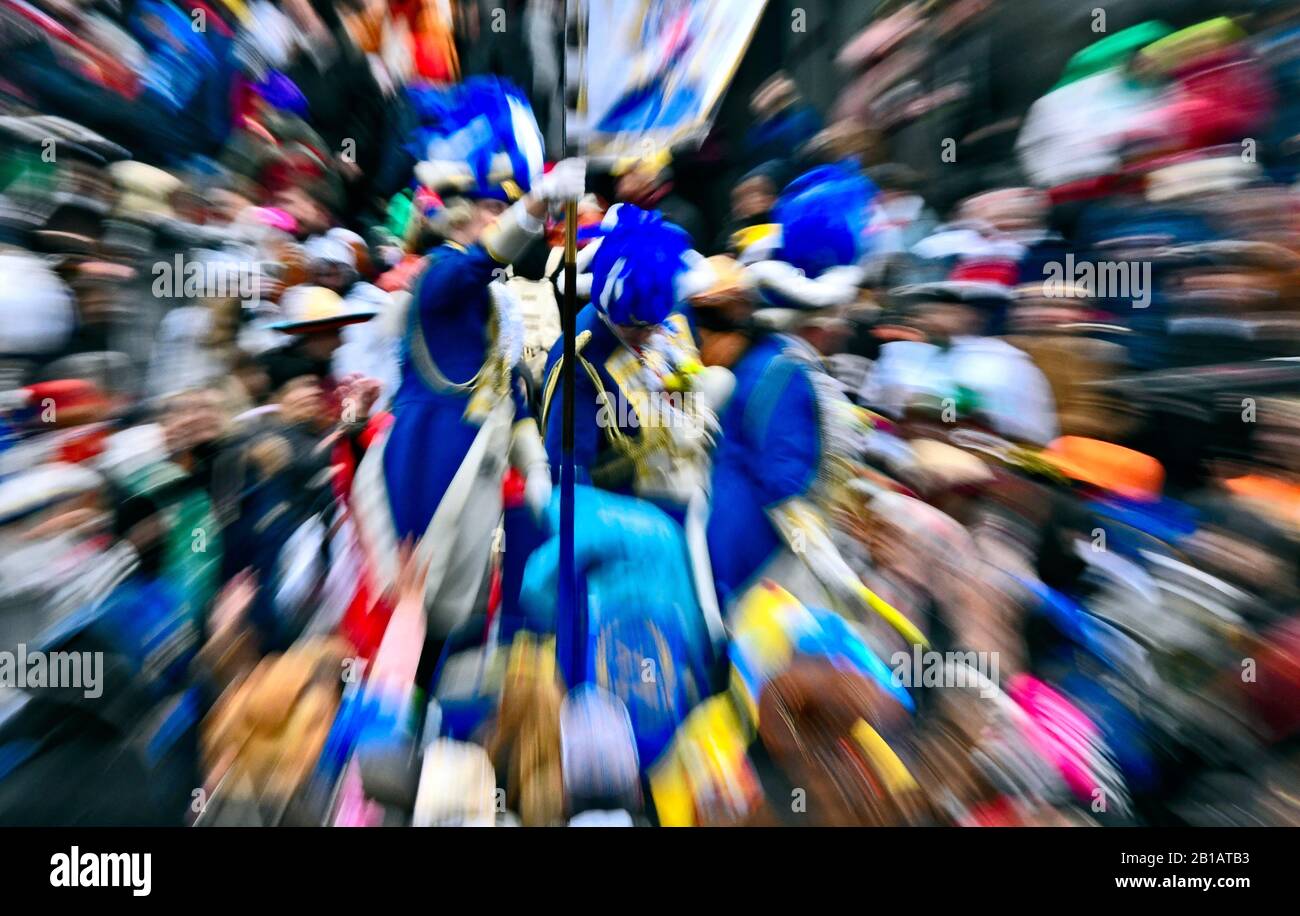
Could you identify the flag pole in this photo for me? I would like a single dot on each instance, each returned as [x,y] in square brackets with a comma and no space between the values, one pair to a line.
[571,623]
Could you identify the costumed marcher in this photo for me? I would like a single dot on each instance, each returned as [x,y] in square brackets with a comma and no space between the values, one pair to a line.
[642,410]
[787,431]
[459,412]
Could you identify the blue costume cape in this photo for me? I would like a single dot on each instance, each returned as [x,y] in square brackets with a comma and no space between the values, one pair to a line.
[769,452]
[590,445]
[596,462]
[644,613]
[430,435]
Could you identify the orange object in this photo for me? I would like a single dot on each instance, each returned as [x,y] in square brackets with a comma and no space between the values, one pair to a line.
[1273,496]
[433,43]
[1109,466]
[889,332]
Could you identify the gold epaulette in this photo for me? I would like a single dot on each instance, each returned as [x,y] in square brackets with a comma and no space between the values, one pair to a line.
[553,377]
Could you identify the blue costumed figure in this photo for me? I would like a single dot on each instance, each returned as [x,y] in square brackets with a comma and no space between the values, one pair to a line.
[459,414]
[643,421]
[788,432]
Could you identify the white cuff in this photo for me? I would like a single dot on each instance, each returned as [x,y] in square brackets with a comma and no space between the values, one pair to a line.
[512,233]
[526,447]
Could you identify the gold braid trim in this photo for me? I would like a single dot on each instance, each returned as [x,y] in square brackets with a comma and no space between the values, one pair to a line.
[490,382]
[429,369]
[635,449]
[553,378]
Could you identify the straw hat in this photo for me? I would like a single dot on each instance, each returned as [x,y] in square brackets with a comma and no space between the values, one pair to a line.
[308,309]
[145,190]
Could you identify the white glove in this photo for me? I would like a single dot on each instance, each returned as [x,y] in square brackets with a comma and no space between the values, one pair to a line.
[837,286]
[528,455]
[564,183]
[537,490]
[769,273]
[714,386]
[581,285]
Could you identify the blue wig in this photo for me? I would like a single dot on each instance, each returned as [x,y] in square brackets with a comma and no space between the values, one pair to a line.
[824,215]
[473,122]
[635,271]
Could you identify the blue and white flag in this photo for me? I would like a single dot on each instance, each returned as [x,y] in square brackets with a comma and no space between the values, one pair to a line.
[650,73]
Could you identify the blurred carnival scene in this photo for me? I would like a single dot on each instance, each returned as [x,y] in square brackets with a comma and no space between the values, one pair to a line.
[649,413]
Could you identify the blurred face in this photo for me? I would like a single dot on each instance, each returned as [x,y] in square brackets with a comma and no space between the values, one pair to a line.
[254,380]
[98,302]
[772,96]
[636,185]
[302,401]
[1238,560]
[331,275]
[227,204]
[635,336]
[752,197]
[1042,312]
[947,320]
[68,515]
[310,215]
[486,212]
[1007,209]
[829,336]
[192,419]
[722,348]
[1226,289]
[322,344]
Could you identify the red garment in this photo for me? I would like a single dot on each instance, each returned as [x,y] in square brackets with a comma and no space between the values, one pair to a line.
[365,621]
[401,277]
[1276,694]
[999,271]
[1220,98]
[84,446]
[1000,812]
[433,46]
[1088,189]
[96,65]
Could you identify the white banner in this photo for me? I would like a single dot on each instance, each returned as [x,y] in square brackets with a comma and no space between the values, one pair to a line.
[650,73]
